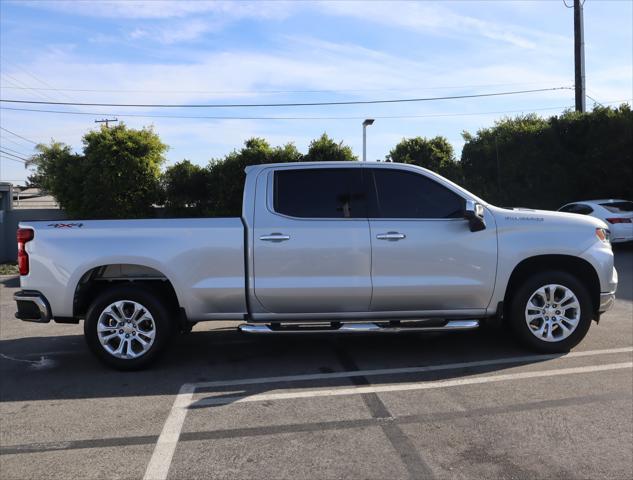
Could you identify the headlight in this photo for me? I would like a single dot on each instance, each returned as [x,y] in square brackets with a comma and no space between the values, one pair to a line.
[603,234]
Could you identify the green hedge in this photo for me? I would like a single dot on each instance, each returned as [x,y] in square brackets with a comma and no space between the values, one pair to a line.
[533,162]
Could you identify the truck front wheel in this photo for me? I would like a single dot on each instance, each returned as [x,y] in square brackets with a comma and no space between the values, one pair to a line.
[551,312]
[126,327]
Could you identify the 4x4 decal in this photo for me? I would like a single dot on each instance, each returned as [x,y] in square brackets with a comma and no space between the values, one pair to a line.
[66,225]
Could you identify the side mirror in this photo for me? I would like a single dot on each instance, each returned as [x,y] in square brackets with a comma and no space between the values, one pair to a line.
[474,213]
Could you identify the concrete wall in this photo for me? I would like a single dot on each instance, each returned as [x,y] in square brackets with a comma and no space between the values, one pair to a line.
[9,224]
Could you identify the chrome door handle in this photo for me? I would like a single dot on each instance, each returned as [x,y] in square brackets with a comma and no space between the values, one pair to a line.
[275,237]
[392,236]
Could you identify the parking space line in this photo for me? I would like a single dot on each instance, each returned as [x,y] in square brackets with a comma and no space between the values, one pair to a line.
[158,466]
[405,370]
[160,462]
[410,386]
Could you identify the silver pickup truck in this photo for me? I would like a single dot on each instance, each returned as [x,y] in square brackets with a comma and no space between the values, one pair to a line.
[322,247]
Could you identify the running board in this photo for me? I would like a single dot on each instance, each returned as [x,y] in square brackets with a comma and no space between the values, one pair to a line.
[391,327]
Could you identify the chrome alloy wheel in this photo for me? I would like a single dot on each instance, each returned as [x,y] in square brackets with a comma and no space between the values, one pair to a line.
[552,313]
[126,329]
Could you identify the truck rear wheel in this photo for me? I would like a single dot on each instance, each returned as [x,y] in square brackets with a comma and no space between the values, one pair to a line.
[127,327]
[551,312]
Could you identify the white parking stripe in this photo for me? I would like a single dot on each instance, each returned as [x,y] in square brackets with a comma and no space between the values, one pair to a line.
[397,371]
[158,467]
[410,386]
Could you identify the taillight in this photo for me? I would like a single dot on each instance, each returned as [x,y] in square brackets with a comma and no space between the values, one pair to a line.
[24,235]
[603,235]
[618,220]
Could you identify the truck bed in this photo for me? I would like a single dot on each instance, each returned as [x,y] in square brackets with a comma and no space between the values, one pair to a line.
[203,259]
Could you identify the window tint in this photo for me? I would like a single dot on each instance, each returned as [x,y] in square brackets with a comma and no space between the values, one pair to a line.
[577,208]
[618,207]
[401,194]
[582,209]
[320,193]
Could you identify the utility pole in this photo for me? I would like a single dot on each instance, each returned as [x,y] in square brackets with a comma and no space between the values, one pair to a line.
[579,56]
[107,121]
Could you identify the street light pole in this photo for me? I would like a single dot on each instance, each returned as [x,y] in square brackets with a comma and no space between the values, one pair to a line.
[366,123]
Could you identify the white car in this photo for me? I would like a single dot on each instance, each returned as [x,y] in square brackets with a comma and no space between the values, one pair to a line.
[618,215]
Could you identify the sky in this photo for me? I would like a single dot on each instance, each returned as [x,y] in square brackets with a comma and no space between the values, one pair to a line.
[175,52]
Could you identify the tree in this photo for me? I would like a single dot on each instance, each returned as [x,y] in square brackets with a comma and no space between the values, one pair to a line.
[324,149]
[227,175]
[436,154]
[59,171]
[116,177]
[187,192]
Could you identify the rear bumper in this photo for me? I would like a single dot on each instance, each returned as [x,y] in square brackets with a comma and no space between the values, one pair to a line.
[606,302]
[32,307]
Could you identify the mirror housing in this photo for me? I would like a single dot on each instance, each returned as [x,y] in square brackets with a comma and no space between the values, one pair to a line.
[474,213]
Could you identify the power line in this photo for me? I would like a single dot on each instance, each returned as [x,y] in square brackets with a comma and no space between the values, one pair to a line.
[13,155]
[19,136]
[48,85]
[246,92]
[13,159]
[223,117]
[593,99]
[14,151]
[15,81]
[22,159]
[10,140]
[294,104]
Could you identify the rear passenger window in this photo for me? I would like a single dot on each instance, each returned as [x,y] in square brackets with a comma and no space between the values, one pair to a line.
[401,194]
[320,193]
[577,208]
[583,209]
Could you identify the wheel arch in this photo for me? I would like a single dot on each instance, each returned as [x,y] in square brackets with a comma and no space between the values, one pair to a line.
[99,278]
[576,266]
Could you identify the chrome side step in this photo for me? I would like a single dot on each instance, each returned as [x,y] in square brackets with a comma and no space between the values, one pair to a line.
[352,327]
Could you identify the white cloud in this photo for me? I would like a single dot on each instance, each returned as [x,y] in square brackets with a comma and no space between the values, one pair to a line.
[174,32]
[437,18]
[150,9]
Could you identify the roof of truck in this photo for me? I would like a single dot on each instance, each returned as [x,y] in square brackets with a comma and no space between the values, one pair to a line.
[261,166]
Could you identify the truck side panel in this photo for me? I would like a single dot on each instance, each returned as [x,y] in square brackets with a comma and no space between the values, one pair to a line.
[202,258]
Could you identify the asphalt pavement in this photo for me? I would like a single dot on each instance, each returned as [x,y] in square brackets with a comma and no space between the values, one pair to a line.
[221,404]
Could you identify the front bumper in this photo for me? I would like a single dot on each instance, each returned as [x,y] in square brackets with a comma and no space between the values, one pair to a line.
[32,307]
[607,300]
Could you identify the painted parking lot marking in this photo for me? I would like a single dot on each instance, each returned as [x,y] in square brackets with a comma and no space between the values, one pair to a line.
[409,386]
[166,445]
[160,462]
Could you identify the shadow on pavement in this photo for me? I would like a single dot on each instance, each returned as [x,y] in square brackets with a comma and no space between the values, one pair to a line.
[623,253]
[44,368]
[10,281]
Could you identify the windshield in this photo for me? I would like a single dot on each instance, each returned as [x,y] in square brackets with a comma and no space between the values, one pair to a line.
[618,207]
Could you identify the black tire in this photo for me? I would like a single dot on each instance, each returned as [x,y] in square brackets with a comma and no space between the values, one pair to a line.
[521,296]
[164,328]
